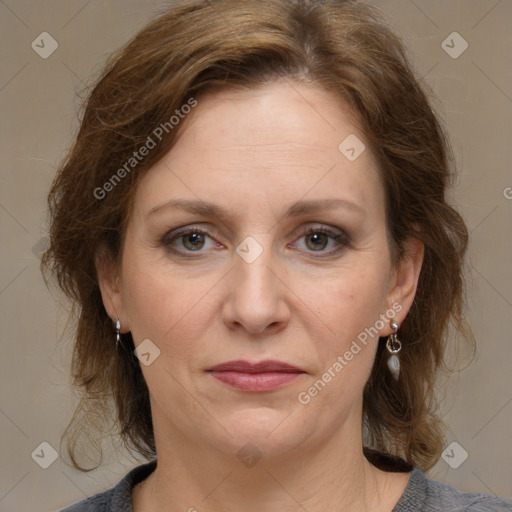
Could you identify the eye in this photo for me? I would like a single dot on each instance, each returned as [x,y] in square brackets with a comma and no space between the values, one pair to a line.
[187,240]
[192,239]
[317,239]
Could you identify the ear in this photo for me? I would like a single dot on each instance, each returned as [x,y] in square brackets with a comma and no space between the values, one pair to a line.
[108,280]
[404,282]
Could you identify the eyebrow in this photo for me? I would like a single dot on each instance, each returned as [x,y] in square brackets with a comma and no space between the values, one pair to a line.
[296,209]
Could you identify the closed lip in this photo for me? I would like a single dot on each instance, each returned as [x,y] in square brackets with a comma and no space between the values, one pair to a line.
[266,366]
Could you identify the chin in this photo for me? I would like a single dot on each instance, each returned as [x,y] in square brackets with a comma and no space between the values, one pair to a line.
[269,432]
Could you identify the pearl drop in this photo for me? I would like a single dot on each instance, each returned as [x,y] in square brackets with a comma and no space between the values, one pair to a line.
[394,366]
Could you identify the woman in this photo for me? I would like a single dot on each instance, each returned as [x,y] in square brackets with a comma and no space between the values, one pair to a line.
[252,224]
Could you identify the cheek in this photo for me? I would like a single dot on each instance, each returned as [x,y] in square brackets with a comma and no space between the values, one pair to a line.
[353,299]
[166,306]
[350,306]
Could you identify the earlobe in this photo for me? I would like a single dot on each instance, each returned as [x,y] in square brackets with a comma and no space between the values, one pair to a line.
[108,281]
[405,280]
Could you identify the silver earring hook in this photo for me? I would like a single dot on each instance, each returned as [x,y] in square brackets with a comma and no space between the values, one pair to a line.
[118,332]
[393,344]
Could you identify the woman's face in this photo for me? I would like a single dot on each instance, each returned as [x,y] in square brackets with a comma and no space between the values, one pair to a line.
[252,285]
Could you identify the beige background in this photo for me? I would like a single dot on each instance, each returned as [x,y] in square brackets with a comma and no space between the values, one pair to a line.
[38,104]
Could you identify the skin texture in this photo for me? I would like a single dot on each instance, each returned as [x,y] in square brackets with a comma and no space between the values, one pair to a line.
[302,301]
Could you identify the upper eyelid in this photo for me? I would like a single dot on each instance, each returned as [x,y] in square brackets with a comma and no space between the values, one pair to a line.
[211,231]
[177,233]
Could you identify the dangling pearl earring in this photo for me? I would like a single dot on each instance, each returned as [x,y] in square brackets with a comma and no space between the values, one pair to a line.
[394,346]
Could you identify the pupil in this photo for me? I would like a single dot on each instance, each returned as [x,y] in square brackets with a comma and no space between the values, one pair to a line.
[193,238]
[317,238]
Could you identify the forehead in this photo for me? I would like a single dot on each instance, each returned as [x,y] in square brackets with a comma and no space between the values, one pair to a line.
[281,116]
[273,144]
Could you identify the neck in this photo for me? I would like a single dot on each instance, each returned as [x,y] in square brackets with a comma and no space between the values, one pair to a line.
[205,480]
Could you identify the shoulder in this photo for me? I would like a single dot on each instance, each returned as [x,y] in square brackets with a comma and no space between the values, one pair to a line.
[428,495]
[118,498]
[97,503]
[101,502]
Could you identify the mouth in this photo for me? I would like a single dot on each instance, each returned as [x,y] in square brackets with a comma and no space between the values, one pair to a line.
[257,377]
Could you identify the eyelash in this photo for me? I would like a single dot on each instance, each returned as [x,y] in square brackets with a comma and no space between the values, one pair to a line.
[342,239]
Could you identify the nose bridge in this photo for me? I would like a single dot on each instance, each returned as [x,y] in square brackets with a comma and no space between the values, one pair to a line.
[255,294]
[255,259]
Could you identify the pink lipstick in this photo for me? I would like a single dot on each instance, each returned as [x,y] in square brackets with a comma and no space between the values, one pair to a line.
[256,377]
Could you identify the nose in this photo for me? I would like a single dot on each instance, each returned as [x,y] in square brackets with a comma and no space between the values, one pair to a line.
[257,294]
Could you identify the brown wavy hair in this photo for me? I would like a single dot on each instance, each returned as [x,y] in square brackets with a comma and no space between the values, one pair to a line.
[199,46]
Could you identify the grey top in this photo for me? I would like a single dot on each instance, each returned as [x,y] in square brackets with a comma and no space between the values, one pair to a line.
[421,495]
